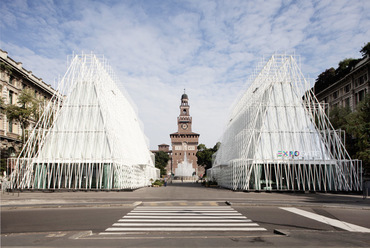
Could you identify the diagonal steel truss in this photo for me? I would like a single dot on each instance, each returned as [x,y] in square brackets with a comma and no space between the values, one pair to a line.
[279,138]
[91,139]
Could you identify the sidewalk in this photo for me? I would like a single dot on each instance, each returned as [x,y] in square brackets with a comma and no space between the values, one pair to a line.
[186,192]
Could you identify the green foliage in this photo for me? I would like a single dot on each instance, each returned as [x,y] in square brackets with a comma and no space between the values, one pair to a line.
[205,154]
[325,79]
[161,160]
[345,63]
[357,127]
[330,76]
[337,117]
[5,67]
[365,50]
[27,107]
[158,182]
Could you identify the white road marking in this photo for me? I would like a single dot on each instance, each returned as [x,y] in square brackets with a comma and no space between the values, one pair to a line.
[183,211]
[183,229]
[182,218]
[220,220]
[187,217]
[181,214]
[333,222]
[186,207]
[185,224]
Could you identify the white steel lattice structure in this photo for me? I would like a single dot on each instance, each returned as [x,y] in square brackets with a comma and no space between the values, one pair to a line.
[279,138]
[89,140]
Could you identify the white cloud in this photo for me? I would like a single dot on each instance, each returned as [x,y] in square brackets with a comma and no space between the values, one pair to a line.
[158,48]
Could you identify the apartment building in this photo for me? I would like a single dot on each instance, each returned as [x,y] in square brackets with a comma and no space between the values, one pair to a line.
[350,89]
[13,79]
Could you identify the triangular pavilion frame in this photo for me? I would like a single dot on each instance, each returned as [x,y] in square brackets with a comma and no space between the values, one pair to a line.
[90,139]
[279,138]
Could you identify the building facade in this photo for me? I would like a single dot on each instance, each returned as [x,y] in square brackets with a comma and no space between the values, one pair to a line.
[165,148]
[185,142]
[349,90]
[13,79]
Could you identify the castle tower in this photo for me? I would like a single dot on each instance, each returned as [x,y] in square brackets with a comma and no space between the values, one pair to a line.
[184,141]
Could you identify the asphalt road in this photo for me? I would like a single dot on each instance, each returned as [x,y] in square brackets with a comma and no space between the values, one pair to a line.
[280,220]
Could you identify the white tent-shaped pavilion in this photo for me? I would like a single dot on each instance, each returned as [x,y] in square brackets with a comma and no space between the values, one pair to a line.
[93,141]
[279,138]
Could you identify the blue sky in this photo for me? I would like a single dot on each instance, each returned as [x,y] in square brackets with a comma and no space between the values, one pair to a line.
[158,48]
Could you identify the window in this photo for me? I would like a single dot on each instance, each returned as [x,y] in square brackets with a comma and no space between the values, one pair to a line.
[346,102]
[10,97]
[10,126]
[11,79]
[335,94]
[360,80]
[347,88]
[361,95]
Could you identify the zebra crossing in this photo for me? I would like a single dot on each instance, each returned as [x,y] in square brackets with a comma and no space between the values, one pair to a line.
[182,219]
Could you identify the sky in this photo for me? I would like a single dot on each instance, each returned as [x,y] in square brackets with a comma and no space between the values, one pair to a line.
[158,48]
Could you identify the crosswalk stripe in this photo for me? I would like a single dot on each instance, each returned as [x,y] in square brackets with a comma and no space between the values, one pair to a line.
[189,214]
[185,224]
[184,211]
[169,229]
[185,206]
[186,217]
[183,218]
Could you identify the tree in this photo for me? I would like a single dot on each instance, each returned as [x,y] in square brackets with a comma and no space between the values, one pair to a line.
[338,118]
[205,154]
[26,108]
[330,76]
[161,160]
[365,50]
[359,128]
[324,80]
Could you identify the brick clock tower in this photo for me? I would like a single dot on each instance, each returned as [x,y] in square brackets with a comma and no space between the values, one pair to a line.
[184,141]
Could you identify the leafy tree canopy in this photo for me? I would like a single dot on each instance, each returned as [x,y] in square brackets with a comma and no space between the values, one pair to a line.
[27,106]
[357,127]
[205,154]
[330,76]
[161,160]
[365,50]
